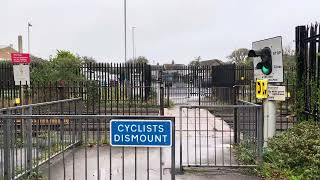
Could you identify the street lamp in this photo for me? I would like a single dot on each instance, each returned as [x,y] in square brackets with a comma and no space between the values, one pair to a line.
[29,25]
[133,45]
[125,31]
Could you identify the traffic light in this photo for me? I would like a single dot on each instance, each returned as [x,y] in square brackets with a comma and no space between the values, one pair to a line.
[266,59]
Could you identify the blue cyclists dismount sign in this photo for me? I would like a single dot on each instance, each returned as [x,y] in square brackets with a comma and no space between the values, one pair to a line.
[142,133]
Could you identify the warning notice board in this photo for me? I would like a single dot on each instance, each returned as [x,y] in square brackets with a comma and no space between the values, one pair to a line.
[276,93]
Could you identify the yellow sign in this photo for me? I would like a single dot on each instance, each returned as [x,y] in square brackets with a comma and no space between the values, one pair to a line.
[262,89]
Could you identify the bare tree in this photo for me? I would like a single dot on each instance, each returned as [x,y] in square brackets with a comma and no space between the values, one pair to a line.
[288,51]
[195,62]
[239,55]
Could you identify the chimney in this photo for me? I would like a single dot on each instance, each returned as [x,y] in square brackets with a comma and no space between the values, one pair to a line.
[20,44]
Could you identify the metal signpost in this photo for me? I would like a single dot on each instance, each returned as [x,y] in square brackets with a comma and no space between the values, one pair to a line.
[262,89]
[145,133]
[277,93]
[21,68]
[275,45]
[268,68]
[20,58]
[141,133]
[21,72]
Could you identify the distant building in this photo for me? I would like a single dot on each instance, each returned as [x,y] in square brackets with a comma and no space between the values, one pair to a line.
[5,52]
[212,62]
[174,68]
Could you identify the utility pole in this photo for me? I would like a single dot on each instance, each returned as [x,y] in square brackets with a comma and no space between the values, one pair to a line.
[125,31]
[133,45]
[29,25]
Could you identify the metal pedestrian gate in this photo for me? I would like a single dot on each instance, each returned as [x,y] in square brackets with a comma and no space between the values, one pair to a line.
[208,135]
[54,140]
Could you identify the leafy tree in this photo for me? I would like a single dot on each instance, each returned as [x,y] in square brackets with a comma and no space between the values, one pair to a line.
[248,62]
[64,66]
[87,59]
[289,58]
[196,61]
[36,60]
[238,56]
[139,60]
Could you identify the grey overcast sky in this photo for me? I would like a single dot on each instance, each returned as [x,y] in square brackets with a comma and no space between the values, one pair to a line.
[166,29]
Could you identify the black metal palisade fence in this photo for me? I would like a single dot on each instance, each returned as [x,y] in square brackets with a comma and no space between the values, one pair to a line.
[117,88]
[308,70]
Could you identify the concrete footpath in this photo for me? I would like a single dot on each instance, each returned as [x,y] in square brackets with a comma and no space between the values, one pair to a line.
[206,141]
[215,174]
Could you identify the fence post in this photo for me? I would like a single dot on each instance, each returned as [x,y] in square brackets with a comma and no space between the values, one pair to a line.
[199,84]
[161,99]
[29,140]
[301,34]
[235,114]
[61,97]
[173,151]
[161,93]
[168,94]
[6,147]
[180,136]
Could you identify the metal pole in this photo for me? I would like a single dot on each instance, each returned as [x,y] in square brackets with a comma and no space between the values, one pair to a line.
[29,37]
[269,109]
[235,114]
[180,133]
[161,99]
[6,147]
[133,45]
[259,131]
[173,151]
[29,140]
[125,31]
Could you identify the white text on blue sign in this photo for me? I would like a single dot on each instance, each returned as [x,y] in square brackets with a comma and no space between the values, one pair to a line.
[145,133]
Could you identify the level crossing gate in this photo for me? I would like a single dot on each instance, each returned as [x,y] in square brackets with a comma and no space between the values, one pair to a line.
[54,140]
[208,136]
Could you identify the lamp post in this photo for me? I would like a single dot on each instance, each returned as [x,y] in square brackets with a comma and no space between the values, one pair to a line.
[125,31]
[29,25]
[133,45]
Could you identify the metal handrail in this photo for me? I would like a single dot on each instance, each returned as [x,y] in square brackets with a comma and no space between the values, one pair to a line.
[248,103]
[12,116]
[40,104]
[222,106]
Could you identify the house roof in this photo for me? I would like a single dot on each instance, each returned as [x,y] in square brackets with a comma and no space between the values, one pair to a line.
[5,52]
[212,62]
[3,46]
[173,66]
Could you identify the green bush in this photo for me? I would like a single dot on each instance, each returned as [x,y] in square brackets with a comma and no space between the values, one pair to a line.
[294,154]
[244,152]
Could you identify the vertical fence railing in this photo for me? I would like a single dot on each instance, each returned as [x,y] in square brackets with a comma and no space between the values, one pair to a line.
[105,88]
[66,159]
[111,88]
[308,68]
[22,145]
[207,134]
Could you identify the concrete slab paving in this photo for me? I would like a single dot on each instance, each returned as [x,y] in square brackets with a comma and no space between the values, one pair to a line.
[206,141]
[84,161]
[215,174]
